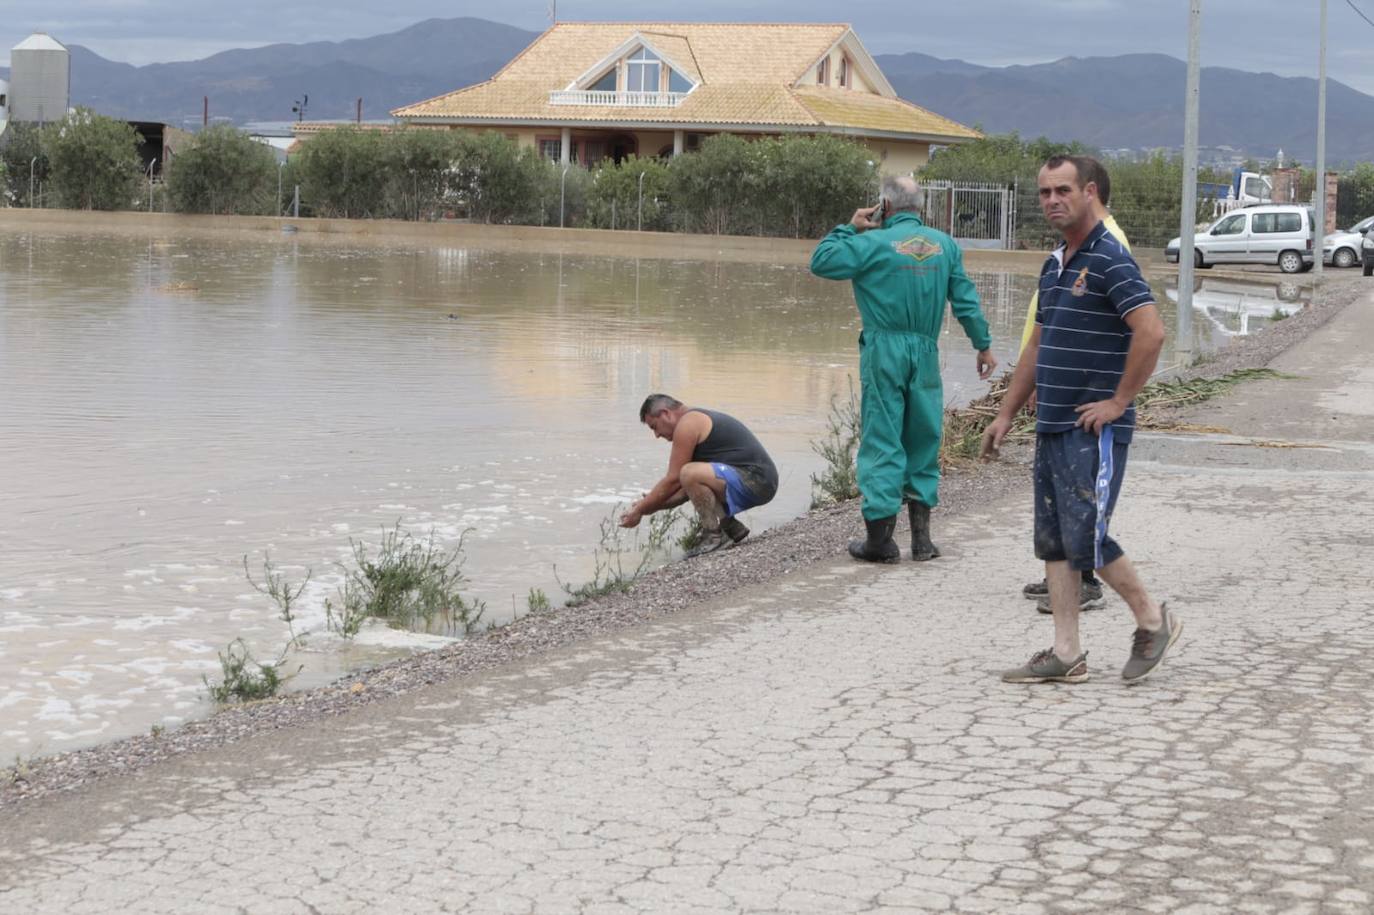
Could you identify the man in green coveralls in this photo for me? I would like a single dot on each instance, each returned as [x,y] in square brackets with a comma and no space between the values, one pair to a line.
[903,272]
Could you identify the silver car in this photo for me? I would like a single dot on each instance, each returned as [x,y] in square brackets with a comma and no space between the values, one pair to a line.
[1342,248]
[1279,234]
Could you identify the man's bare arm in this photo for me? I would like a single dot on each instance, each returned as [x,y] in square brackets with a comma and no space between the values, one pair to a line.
[668,492]
[1147,340]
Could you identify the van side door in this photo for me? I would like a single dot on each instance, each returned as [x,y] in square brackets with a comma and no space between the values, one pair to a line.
[1228,241]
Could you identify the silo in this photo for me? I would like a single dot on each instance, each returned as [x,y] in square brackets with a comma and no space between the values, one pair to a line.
[40,79]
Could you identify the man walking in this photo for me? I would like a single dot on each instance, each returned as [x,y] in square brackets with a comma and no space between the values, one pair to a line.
[903,272]
[1096,342]
[1090,591]
[715,461]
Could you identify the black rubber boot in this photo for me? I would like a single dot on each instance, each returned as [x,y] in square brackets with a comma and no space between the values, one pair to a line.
[921,547]
[879,547]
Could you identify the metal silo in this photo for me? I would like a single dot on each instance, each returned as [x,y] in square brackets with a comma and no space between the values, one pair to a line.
[40,79]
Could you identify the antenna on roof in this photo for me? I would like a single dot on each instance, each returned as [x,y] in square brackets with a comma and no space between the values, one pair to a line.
[553,11]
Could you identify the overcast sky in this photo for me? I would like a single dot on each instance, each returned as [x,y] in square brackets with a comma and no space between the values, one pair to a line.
[1279,36]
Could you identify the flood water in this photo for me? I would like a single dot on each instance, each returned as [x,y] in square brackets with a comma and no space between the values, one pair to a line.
[172,405]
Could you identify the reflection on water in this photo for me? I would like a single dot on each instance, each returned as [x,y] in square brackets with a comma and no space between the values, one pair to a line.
[1235,307]
[172,405]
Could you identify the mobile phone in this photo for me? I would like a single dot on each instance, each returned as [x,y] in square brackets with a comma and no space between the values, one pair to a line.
[880,212]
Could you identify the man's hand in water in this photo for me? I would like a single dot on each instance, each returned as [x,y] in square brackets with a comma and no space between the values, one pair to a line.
[630,518]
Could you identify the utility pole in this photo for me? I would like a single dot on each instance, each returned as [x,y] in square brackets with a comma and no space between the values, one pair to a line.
[360,109]
[1320,238]
[1183,345]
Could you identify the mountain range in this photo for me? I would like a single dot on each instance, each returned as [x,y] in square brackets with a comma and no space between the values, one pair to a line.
[1129,101]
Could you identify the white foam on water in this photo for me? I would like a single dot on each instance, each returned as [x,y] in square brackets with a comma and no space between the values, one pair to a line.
[11,593]
[377,634]
[393,507]
[233,523]
[79,677]
[140,573]
[191,646]
[55,709]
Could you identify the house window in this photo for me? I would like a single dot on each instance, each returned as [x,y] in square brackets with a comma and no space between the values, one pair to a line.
[823,72]
[642,71]
[845,76]
[677,82]
[551,148]
[606,83]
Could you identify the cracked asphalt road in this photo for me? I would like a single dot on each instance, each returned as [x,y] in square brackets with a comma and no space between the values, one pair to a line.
[841,742]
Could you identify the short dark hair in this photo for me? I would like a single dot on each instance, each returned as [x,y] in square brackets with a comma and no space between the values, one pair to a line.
[1094,171]
[655,403]
[1089,171]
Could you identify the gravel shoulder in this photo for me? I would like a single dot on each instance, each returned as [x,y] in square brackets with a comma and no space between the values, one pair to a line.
[817,536]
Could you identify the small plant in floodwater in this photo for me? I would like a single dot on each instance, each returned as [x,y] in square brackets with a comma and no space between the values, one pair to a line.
[612,571]
[243,677]
[19,772]
[538,601]
[408,583]
[1278,315]
[692,535]
[840,479]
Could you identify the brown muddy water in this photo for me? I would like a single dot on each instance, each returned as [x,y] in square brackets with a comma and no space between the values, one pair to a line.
[172,405]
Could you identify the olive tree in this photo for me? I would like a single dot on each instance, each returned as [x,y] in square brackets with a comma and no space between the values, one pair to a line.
[93,161]
[24,162]
[223,172]
[342,172]
[614,197]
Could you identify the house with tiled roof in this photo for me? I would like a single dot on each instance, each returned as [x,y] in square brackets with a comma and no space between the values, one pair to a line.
[588,91]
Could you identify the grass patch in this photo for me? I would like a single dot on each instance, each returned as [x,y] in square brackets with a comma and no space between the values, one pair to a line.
[406,582]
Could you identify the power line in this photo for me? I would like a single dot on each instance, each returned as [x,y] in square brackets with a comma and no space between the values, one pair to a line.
[1359,12]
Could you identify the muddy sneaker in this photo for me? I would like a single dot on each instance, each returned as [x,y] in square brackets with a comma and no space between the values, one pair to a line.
[710,542]
[1036,590]
[1045,667]
[734,529]
[1089,597]
[1148,648]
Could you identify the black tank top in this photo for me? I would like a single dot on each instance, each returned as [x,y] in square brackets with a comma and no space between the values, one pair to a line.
[730,442]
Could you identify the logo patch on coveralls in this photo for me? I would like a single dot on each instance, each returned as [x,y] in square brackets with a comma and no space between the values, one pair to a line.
[1080,285]
[918,247]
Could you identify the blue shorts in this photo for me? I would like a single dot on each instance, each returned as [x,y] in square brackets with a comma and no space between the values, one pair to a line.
[1077,479]
[738,497]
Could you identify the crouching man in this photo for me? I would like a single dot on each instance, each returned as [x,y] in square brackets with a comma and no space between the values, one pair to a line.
[715,461]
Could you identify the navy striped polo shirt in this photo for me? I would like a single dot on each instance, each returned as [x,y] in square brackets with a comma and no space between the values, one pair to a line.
[1084,336]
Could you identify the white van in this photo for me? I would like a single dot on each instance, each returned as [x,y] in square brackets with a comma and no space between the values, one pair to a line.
[1273,234]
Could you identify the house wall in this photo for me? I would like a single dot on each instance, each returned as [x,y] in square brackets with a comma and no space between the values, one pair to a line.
[857,82]
[896,157]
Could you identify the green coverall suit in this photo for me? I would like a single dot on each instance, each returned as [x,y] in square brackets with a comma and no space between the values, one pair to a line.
[902,274]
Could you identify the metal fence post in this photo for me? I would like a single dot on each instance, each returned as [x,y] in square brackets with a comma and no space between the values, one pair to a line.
[562,194]
[640,226]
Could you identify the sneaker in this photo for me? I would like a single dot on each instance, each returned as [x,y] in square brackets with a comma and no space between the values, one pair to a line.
[1036,590]
[1089,597]
[1045,667]
[710,542]
[1148,648]
[734,529]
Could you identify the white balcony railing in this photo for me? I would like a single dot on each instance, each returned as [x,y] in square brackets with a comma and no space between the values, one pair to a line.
[616,99]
